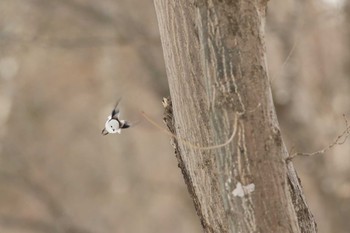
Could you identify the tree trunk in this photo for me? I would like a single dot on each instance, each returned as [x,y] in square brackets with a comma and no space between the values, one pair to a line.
[216,66]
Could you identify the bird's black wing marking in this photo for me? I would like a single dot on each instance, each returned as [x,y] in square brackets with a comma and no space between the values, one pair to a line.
[115,113]
[104,132]
[116,110]
[120,122]
[125,125]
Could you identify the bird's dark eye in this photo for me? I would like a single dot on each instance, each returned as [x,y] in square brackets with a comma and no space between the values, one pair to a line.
[111,126]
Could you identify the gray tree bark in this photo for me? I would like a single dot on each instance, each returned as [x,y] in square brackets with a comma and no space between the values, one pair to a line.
[215,59]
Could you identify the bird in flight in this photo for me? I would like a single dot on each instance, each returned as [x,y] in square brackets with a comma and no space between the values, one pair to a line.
[113,123]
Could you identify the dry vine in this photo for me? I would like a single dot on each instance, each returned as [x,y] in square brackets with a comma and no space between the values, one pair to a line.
[337,141]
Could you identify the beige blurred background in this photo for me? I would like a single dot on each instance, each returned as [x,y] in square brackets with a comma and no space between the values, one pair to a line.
[64,63]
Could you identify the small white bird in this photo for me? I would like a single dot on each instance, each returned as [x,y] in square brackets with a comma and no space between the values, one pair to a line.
[113,123]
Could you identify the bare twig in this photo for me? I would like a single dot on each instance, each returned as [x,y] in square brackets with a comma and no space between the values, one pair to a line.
[191,144]
[341,139]
[281,70]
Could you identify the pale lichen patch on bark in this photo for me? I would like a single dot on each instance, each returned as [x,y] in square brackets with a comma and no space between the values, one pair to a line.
[242,190]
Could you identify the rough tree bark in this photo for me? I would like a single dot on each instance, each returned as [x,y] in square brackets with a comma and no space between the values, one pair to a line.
[215,59]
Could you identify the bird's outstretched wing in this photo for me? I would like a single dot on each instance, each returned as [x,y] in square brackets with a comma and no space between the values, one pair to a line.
[104,132]
[125,125]
[115,112]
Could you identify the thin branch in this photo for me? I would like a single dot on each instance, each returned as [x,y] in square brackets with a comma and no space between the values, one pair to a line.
[281,70]
[341,139]
[191,144]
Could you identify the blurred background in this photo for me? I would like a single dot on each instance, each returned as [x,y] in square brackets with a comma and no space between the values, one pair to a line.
[64,63]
